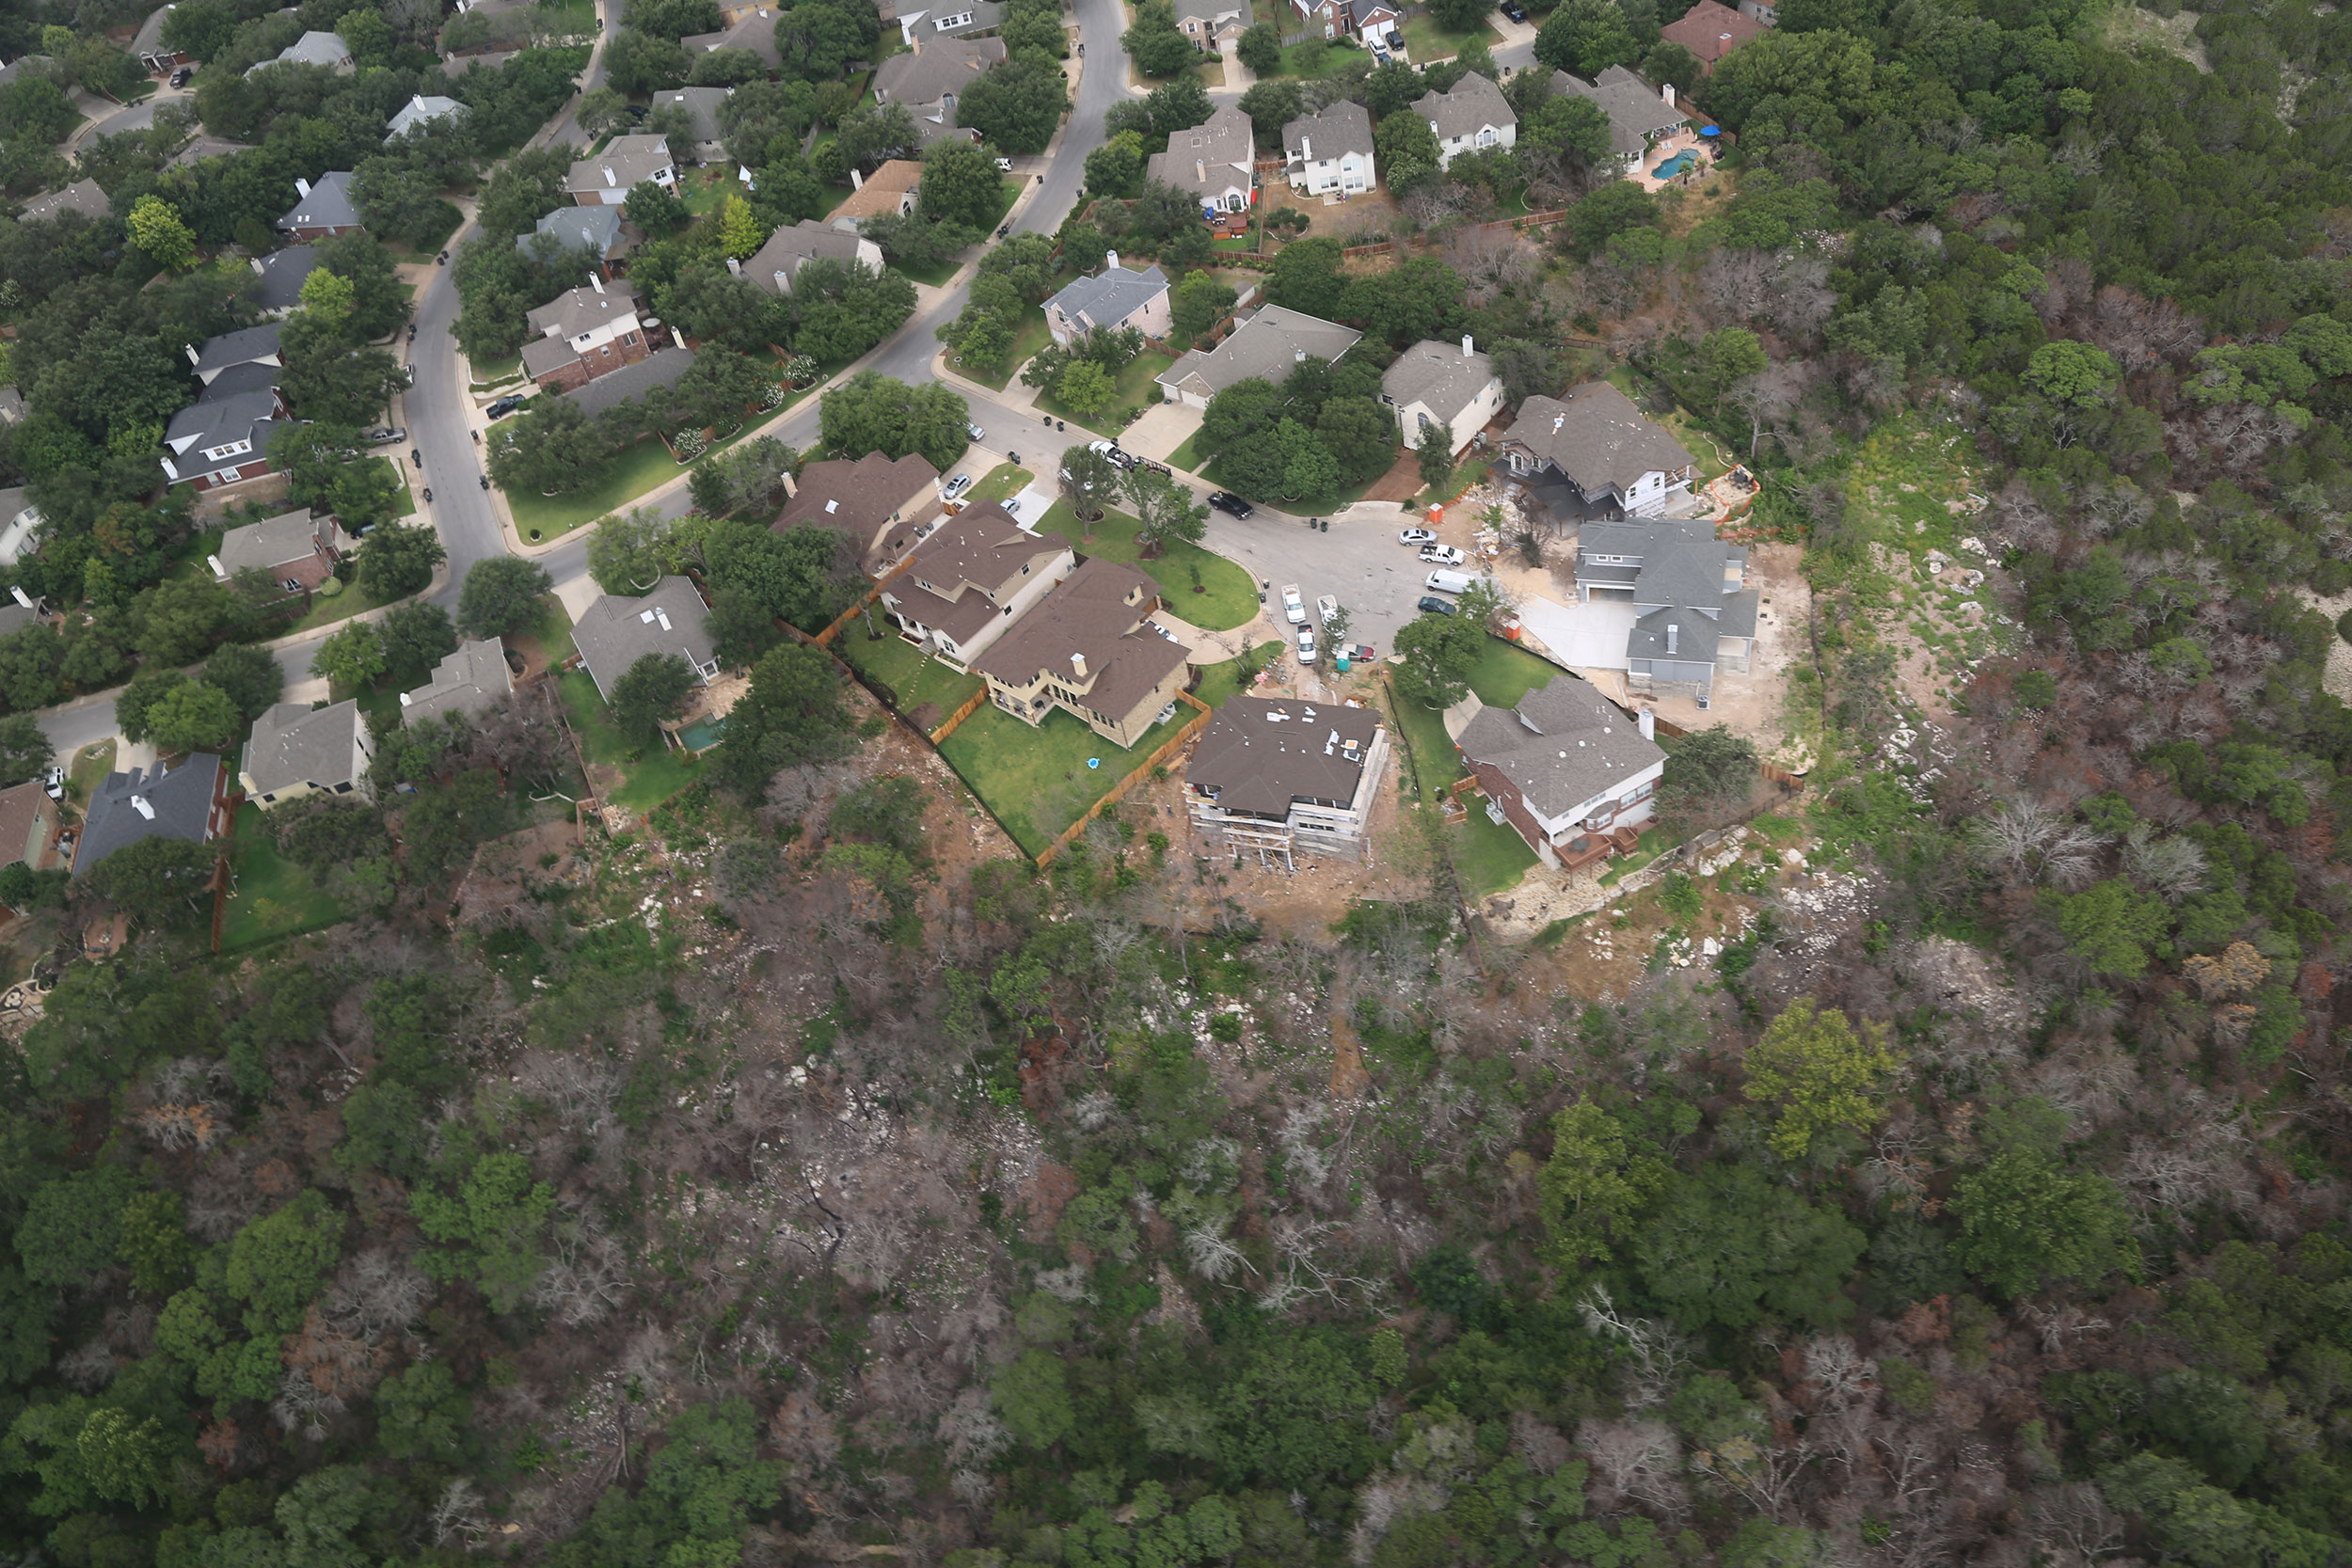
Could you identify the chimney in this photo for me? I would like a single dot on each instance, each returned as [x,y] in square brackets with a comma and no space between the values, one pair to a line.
[1648,721]
[139,804]
[21,597]
[608,176]
[857,181]
[1667,91]
[194,357]
[1110,260]
[303,186]
[734,268]
[1674,634]
[1306,147]
[1078,665]
[1466,345]
[596,283]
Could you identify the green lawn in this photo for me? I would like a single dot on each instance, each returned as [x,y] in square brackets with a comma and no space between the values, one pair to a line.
[1187,456]
[1464,478]
[495,372]
[937,277]
[90,765]
[274,896]
[651,778]
[1037,780]
[1132,388]
[707,191]
[1427,42]
[1221,681]
[1028,338]
[1317,57]
[1228,597]
[905,668]
[642,467]
[326,611]
[1488,857]
[1006,479]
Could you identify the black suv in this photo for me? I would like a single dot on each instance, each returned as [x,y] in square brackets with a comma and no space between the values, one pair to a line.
[1226,501]
[503,406]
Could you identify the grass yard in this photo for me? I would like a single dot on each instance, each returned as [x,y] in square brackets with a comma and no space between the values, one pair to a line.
[495,372]
[1487,856]
[1228,597]
[274,896]
[1006,479]
[707,190]
[326,611]
[1132,388]
[1428,43]
[1219,682]
[1187,457]
[648,780]
[914,677]
[90,765]
[1028,338]
[938,276]
[644,466]
[1466,477]
[1036,781]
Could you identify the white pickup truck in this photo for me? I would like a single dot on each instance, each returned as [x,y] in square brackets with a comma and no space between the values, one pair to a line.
[1293,607]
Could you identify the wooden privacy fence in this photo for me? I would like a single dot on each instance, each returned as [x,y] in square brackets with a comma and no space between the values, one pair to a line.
[1168,747]
[948,726]
[824,638]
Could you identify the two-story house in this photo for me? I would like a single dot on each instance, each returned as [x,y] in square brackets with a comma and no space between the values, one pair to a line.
[1212,23]
[1215,162]
[1639,118]
[223,438]
[282,273]
[1694,610]
[756,30]
[1330,151]
[324,210]
[326,51]
[421,111]
[86,197]
[189,803]
[970,580]
[774,265]
[1566,767]
[1088,649]
[618,630]
[1474,117]
[1276,776]
[1439,386]
[880,506]
[250,345]
[1115,298]
[298,750]
[929,82]
[597,231]
[1614,460]
[470,681]
[297,550]
[583,333]
[958,18]
[627,162]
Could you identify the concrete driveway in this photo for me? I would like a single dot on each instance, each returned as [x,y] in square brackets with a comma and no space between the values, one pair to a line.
[1163,428]
[1584,633]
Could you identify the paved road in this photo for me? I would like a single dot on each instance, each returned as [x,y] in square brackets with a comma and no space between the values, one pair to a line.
[138,116]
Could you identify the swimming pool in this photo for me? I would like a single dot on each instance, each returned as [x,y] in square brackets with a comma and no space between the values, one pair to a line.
[1675,165]
[702,734]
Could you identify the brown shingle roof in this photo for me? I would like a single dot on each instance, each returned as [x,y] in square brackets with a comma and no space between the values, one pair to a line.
[28,825]
[1260,754]
[978,552]
[881,193]
[875,502]
[1711,31]
[1595,436]
[1097,612]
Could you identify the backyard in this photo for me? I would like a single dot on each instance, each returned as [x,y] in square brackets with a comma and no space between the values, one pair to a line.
[1036,781]
[274,897]
[1132,388]
[913,677]
[646,782]
[1226,596]
[1487,855]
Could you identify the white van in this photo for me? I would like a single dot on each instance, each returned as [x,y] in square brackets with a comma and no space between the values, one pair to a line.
[1448,582]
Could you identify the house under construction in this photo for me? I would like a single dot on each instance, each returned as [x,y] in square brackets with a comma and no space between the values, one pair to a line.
[1279,777]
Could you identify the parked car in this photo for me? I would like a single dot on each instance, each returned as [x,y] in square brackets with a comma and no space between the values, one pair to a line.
[53,784]
[501,407]
[976,432]
[1225,501]
[180,77]
[1004,165]
[1416,536]
[1442,555]
[1293,607]
[1306,644]
[1379,54]
[383,435]
[1013,506]
[1431,605]
[1446,583]
[957,486]
[1513,9]
[1327,608]
[636,111]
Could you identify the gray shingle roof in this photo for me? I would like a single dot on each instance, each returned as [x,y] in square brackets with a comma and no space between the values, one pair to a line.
[275,541]
[1694,635]
[150,34]
[1595,436]
[701,105]
[422,110]
[316,48]
[295,744]
[616,632]
[84,196]
[457,65]
[328,206]
[1636,113]
[581,309]
[578,229]
[282,273]
[250,345]
[467,681]
[1563,745]
[756,32]
[1209,158]
[1343,127]
[1267,346]
[975,16]
[1474,102]
[1255,762]
[943,68]
[621,166]
[179,801]
[794,243]
[654,373]
[1440,376]
[202,147]
[215,421]
[1110,296]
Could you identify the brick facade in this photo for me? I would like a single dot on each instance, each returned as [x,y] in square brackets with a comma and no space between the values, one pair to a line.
[624,350]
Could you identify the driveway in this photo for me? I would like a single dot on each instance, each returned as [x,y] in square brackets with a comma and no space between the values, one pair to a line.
[1165,426]
[1588,634]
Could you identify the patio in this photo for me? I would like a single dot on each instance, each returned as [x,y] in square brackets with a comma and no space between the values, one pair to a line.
[1685,140]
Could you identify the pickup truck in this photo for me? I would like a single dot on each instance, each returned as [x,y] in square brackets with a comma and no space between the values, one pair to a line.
[1327,609]
[1293,607]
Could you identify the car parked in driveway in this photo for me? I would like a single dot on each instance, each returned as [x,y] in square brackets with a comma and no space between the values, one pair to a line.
[1432,604]
[501,407]
[1416,536]
[1442,555]
[382,436]
[1513,9]
[956,486]
[180,77]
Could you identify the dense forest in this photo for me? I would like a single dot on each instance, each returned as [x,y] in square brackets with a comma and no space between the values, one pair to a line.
[804,1176]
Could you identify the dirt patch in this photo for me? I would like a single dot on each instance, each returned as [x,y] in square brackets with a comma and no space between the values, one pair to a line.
[504,868]
[1359,220]
[1348,1078]
[212,505]
[1401,483]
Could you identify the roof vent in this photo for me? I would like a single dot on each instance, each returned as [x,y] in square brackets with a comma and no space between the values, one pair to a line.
[662,616]
[139,804]
[646,617]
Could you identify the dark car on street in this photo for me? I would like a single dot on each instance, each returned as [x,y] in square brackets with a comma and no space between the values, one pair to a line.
[1432,604]
[1226,501]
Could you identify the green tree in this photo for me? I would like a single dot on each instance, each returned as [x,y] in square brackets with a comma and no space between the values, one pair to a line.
[1708,769]
[1089,481]
[1260,48]
[1307,276]
[647,692]
[2026,1218]
[1199,302]
[872,412]
[1434,453]
[193,716]
[1438,652]
[655,208]
[791,714]
[1729,1245]
[154,879]
[71,1226]
[422,1414]
[2074,372]
[180,619]
[503,594]
[397,560]
[1032,1397]
[137,699]
[1085,388]
[25,749]
[495,1227]
[279,1263]
[960,184]
[252,679]
[1408,152]
[1016,107]
[352,656]
[416,637]
[1595,1184]
[155,228]
[1155,44]
[1822,1074]
[2112,925]
[740,233]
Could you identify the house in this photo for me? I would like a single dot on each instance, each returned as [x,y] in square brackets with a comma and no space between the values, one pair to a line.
[1766,11]
[773,265]
[584,333]
[298,750]
[20,525]
[1566,767]
[698,108]
[969,18]
[1639,118]
[1614,460]
[157,56]
[659,371]
[1474,117]
[85,196]
[11,407]
[1438,383]
[326,50]
[1277,776]
[189,803]
[1266,346]
[756,32]
[1116,297]
[889,192]
[1331,18]
[469,681]
[1216,162]
[30,827]
[297,550]
[597,230]
[928,82]
[420,110]
[1694,612]
[223,438]
[1382,24]
[252,345]
[881,505]
[608,178]
[1086,648]
[616,632]
[1330,150]
[1212,23]
[970,580]
[324,210]
[24,68]
[282,273]
[1710,31]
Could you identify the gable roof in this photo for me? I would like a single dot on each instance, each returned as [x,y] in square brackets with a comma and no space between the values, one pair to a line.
[1635,113]
[178,805]
[420,110]
[1268,344]
[254,376]
[296,744]
[1210,11]
[596,227]
[455,65]
[623,164]
[1342,128]
[273,542]
[616,632]
[1253,761]
[979,552]
[789,247]
[1695,635]
[1595,436]
[1110,296]
[858,500]
[246,346]
[467,681]
[950,20]
[1474,103]
[881,193]
[701,106]
[1563,745]
[756,32]
[1088,613]
[941,68]
[655,373]
[1444,377]
[148,40]
[216,422]
[282,273]
[328,206]
[1710,31]
[28,819]
[86,197]
[311,48]
[582,310]
[1210,157]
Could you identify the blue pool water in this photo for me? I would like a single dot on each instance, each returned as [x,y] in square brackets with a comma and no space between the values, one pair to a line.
[702,733]
[1675,165]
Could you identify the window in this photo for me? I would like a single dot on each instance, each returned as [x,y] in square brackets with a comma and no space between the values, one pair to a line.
[343,788]
[1487,136]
